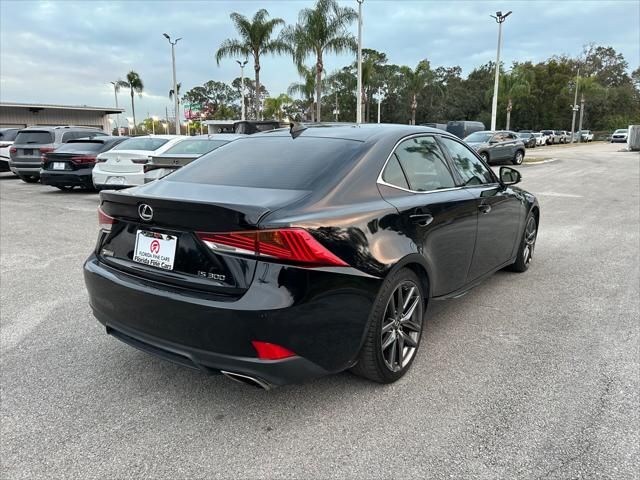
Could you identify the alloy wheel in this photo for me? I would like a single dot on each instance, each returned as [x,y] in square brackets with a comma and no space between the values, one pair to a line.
[519,157]
[530,233]
[401,326]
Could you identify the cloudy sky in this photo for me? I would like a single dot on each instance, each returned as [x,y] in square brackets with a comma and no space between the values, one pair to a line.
[68,51]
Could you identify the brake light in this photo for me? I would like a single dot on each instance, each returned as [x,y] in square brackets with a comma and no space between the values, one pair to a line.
[83,160]
[271,351]
[44,150]
[293,245]
[13,150]
[105,221]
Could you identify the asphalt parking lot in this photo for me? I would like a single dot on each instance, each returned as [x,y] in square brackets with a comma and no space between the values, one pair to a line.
[531,375]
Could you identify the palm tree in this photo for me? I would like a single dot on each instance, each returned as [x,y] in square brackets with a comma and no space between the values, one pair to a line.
[415,81]
[306,88]
[135,85]
[513,85]
[273,106]
[255,40]
[322,29]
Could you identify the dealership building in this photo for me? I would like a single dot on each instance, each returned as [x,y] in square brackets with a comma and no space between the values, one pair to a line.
[28,114]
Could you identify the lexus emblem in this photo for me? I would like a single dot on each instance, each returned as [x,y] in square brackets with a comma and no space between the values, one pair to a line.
[145,211]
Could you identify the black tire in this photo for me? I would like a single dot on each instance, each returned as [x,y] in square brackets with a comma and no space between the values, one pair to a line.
[29,178]
[373,360]
[518,158]
[527,245]
[485,157]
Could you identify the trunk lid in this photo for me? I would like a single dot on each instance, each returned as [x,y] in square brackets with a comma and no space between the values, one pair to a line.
[180,210]
[173,160]
[121,161]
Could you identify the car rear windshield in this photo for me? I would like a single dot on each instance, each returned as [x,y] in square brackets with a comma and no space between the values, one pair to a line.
[79,147]
[8,135]
[141,144]
[479,137]
[272,162]
[196,147]
[524,135]
[34,136]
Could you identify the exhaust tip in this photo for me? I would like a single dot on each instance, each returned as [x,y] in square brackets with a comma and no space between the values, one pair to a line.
[247,380]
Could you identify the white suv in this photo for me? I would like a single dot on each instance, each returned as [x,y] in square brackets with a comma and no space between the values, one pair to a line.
[123,165]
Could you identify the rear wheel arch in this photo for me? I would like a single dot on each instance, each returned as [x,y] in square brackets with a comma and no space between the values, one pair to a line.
[419,266]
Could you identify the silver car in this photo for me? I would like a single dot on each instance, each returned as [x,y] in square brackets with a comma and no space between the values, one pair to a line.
[32,142]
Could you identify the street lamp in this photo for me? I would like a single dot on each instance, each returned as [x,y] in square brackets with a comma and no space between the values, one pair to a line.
[129,123]
[166,127]
[201,120]
[116,87]
[242,64]
[175,83]
[154,119]
[359,106]
[500,19]
[574,107]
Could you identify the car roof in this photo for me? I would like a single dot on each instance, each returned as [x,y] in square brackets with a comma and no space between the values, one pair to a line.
[59,127]
[350,131]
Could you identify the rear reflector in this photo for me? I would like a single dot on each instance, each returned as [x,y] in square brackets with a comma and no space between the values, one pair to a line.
[13,150]
[271,351]
[105,221]
[292,244]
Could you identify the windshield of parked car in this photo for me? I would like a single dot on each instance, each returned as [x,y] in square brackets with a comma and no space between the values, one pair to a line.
[8,135]
[34,136]
[142,143]
[524,135]
[621,130]
[272,162]
[479,137]
[537,135]
[196,147]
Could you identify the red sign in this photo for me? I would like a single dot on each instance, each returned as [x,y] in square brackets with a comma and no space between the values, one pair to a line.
[155,246]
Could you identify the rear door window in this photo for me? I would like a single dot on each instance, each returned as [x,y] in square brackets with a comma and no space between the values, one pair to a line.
[35,137]
[277,162]
[424,164]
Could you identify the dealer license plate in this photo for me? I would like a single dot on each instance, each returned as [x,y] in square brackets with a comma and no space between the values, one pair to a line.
[155,249]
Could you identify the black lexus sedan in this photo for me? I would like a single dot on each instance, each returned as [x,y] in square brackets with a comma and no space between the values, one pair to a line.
[70,164]
[289,255]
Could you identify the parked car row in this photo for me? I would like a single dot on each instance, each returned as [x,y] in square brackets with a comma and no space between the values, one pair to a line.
[68,157]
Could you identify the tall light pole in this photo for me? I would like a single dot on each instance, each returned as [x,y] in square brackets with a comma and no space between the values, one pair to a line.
[242,64]
[116,87]
[499,18]
[574,107]
[359,106]
[379,101]
[175,83]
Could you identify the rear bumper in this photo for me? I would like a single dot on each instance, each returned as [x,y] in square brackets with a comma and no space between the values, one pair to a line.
[104,179]
[80,177]
[25,168]
[321,316]
[618,140]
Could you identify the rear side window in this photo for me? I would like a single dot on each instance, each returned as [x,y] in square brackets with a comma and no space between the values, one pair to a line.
[80,147]
[393,174]
[272,162]
[141,144]
[196,147]
[424,165]
[34,136]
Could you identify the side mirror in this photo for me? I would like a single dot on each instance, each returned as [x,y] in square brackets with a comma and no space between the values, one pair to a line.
[509,176]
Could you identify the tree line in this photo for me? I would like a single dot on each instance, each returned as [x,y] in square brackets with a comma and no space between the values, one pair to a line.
[531,95]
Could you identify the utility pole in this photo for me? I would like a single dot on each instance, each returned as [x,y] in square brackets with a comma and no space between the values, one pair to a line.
[175,83]
[500,19]
[574,108]
[359,105]
[379,101]
[581,116]
[116,87]
[336,112]
[242,64]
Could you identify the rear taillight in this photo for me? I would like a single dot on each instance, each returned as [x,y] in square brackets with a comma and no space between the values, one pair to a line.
[292,245]
[140,161]
[105,221]
[83,160]
[44,150]
[271,351]
[13,150]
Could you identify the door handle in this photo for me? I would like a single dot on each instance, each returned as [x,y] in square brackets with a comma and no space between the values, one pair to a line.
[422,219]
[484,207]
